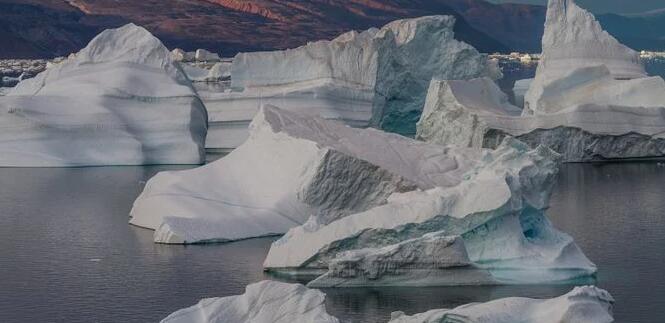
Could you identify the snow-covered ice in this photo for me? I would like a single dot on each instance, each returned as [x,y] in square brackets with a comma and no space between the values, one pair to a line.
[120,101]
[573,39]
[454,112]
[377,77]
[292,167]
[263,302]
[586,304]
[590,100]
[466,113]
[497,207]
[274,302]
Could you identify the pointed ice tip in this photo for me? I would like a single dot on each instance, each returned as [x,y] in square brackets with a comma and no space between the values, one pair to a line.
[573,34]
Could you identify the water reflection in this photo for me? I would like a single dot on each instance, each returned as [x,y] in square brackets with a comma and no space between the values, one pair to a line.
[68,254]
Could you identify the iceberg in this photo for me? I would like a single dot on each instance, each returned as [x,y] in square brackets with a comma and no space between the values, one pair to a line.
[455,112]
[203,55]
[180,55]
[590,99]
[120,101]
[266,301]
[573,39]
[475,114]
[586,304]
[378,77]
[519,91]
[221,71]
[274,302]
[496,207]
[291,168]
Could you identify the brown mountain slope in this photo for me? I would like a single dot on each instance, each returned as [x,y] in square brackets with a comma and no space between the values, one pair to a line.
[49,27]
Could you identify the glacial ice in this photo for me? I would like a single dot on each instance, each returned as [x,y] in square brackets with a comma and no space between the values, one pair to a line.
[200,55]
[220,71]
[274,302]
[414,262]
[180,55]
[586,304]
[454,112]
[292,167]
[497,207]
[463,113]
[573,39]
[265,302]
[203,55]
[120,101]
[590,100]
[377,77]
[519,90]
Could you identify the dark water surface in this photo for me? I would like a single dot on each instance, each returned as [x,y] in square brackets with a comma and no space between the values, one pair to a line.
[68,255]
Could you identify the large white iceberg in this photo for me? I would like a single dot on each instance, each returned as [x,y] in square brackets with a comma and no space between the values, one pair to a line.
[585,304]
[263,302]
[120,101]
[292,167]
[274,302]
[573,39]
[496,207]
[590,100]
[377,77]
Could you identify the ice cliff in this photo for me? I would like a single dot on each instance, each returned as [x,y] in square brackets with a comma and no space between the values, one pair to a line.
[273,302]
[377,77]
[585,304]
[590,100]
[293,166]
[120,101]
[265,302]
[573,39]
[493,200]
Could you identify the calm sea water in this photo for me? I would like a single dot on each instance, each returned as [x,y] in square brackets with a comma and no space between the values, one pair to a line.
[68,255]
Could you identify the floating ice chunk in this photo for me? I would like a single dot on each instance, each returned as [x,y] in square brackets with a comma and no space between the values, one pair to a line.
[378,77]
[497,208]
[120,101]
[519,90]
[586,116]
[291,167]
[266,301]
[221,71]
[273,302]
[180,55]
[582,305]
[573,39]
[203,55]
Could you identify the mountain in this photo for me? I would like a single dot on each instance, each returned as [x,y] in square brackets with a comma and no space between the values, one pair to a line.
[38,28]
[47,28]
[643,31]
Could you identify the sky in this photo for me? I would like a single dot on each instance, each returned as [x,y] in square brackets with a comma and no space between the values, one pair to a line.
[605,6]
